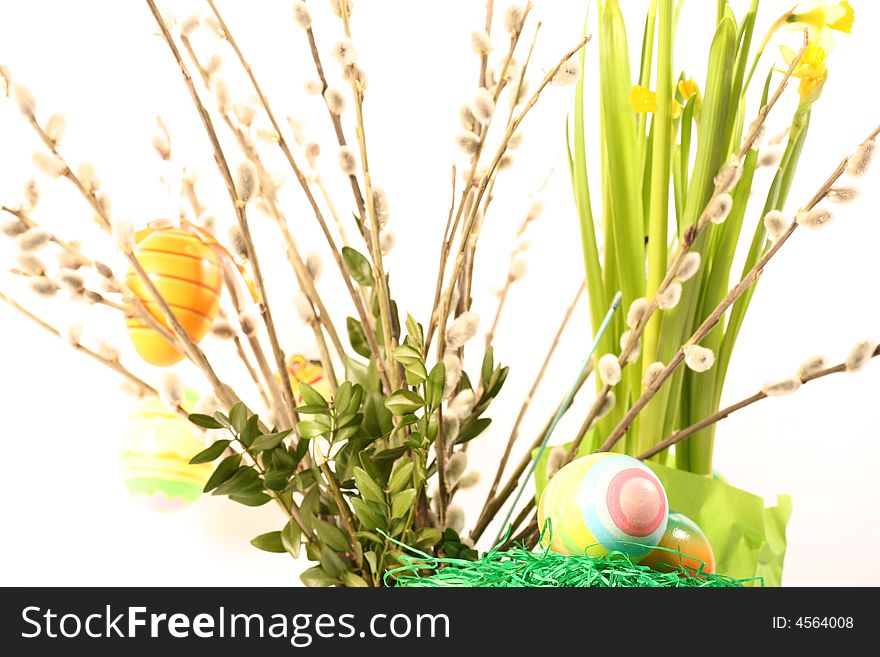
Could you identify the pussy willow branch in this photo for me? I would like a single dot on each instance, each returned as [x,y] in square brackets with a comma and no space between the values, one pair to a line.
[715,316]
[690,236]
[224,393]
[288,413]
[282,144]
[709,420]
[467,195]
[514,432]
[484,59]
[246,361]
[304,277]
[69,247]
[113,364]
[469,224]
[340,135]
[472,243]
[379,279]
[267,191]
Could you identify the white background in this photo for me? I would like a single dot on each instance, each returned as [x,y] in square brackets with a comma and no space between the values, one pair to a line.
[66,516]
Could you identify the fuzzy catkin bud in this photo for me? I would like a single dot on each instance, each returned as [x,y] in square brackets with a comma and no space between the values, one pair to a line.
[462,329]
[30,264]
[860,161]
[452,364]
[50,165]
[860,354]
[462,404]
[652,372]
[480,42]
[568,73]
[455,467]
[304,309]
[88,176]
[842,194]
[107,351]
[123,233]
[222,329]
[314,265]
[54,127]
[247,181]
[729,175]
[347,161]
[32,240]
[335,100]
[313,87]
[555,459]
[782,387]
[344,53]
[815,218]
[171,389]
[482,106]
[247,318]
[220,89]
[776,224]
[636,312]
[24,99]
[636,350]
[381,206]
[301,15]
[719,208]
[609,370]
[811,366]
[451,427]
[44,287]
[669,298]
[769,158]
[688,267]
[607,405]
[468,142]
[72,334]
[469,480]
[387,240]
[513,19]
[518,268]
[340,6]
[13,228]
[455,518]
[698,359]
[72,280]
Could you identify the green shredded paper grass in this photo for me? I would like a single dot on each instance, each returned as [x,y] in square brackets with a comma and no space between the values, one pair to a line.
[519,566]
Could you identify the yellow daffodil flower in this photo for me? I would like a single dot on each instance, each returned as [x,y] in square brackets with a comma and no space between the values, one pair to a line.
[822,16]
[688,88]
[644,101]
[810,70]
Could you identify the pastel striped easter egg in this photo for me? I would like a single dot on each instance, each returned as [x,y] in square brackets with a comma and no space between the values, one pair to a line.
[186,271]
[601,503]
[157,447]
[685,545]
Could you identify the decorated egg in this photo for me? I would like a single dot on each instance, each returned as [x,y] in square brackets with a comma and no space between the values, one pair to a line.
[157,447]
[683,536]
[303,370]
[601,503]
[186,270]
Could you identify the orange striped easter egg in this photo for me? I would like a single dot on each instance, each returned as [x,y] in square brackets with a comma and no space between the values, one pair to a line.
[187,272]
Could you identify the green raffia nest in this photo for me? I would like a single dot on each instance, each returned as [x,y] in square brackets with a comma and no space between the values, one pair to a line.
[521,567]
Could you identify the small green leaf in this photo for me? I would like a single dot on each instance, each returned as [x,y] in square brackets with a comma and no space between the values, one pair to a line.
[368,488]
[315,576]
[402,502]
[312,410]
[204,421]
[291,538]
[245,481]
[371,559]
[352,580]
[357,338]
[342,398]
[311,396]
[403,402]
[211,453]
[436,384]
[415,373]
[406,355]
[401,477]
[269,441]
[250,431]
[488,366]
[250,499]
[270,542]
[472,429]
[369,517]
[427,537]
[222,472]
[222,419]
[346,433]
[331,535]
[310,429]
[369,536]
[277,479]
[358,266]
[238,416]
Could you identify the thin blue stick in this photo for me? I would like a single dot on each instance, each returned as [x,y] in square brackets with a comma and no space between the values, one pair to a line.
[615,304]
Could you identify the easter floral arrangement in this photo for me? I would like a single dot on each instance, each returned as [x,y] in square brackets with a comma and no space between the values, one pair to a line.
[363,445]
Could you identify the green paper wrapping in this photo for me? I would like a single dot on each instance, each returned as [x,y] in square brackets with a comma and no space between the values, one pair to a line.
[748,538]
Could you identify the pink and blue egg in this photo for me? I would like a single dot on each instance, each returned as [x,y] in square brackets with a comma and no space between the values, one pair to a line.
[601,503]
